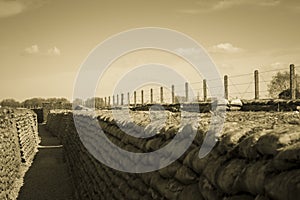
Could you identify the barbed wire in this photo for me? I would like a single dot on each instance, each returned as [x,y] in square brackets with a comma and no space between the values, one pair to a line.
[236,87]
[273,70]
[240,75]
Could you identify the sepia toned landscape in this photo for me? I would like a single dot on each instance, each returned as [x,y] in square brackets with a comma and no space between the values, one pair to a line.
[137,99]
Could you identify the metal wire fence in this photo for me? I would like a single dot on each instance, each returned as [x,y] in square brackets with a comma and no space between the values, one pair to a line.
[241,86]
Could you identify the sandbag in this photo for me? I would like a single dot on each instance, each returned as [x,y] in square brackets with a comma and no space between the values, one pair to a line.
[261,197]
[252,178]
[191,192]
[154,144]
[247,149]
[185,175]
[231,139]
[208,191]
[284,185]
[161,185]
[175,186]
[133,194]
[287,158]
[170,170]
[198,165]
[138,184]
[211,169]
[240,197]
[228,174]
[188,160]
[146,197]
[270,143]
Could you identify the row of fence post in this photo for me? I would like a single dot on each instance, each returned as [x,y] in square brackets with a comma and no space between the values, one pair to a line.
[226,91]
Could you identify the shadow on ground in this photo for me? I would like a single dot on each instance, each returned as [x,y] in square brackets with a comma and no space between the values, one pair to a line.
[48,177]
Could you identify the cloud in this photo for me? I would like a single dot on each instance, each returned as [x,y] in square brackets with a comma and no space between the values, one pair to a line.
[34,49]
[269,3]
[13,7]
[226,4]
[276,64]
[215,5]
[54,51]
[231,3]
[8,8]
[225,48]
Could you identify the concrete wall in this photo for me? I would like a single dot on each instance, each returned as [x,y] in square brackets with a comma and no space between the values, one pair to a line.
[256,157]
[18,145]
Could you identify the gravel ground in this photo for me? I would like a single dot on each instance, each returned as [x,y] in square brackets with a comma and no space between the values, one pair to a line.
[48,177]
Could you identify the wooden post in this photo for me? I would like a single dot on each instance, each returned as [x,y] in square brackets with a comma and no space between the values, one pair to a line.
[108,100]
[292,82]
[204,90]
[134,98]
[161,95]
[151,96]
[114,102]
[226,87]
[142,97]
[128,99]
[173,94]
[117,99]
[122,99]
[102,102]
[105,102]
[256,86]
[186,91]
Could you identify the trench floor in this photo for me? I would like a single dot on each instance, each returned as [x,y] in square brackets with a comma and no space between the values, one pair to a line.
[48,177]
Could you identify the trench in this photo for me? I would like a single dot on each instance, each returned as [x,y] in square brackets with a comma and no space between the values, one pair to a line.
[48,177]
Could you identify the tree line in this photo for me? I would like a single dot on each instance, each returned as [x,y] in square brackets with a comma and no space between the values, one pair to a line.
[35,102]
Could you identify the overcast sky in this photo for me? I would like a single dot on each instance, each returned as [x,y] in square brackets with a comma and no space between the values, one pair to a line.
[43,43]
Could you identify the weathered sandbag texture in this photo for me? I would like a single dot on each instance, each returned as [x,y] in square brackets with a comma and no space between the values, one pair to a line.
[18,145]
[257,156]
[270,105]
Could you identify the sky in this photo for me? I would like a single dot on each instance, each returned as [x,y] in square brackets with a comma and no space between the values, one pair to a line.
[44,42]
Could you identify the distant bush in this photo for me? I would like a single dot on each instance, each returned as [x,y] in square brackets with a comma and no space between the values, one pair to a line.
[280,85]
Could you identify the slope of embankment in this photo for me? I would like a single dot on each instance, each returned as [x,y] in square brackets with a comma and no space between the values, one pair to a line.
[257,156]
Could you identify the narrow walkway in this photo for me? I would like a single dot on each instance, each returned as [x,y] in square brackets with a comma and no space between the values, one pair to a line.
[48,177]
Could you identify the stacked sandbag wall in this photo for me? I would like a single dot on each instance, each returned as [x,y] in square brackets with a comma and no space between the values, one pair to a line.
[40,114]
[18,145]
[257,157]
[270,105]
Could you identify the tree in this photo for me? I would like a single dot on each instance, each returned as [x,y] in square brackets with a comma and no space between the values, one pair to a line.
[90,102]
[33,103]
[10,103]
[58,103]
[55,100]
[55,103]
[94,102]
[77,102]
[99,102]
[281,83]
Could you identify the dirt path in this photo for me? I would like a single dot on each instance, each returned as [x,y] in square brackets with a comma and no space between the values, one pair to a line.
[48,177]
